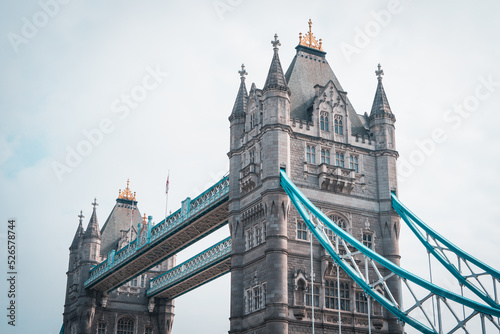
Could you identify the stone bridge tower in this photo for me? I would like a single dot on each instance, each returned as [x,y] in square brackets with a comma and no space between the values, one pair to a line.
[303,121]
[125,309]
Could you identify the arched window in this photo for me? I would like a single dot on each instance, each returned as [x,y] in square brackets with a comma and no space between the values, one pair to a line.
[354,163]
[311,154]
[125,325]
[339,159]
[324,123]
[339,125]
[325,156]
[361,302]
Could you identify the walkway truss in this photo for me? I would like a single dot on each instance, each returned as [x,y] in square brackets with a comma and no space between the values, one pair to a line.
[433,309]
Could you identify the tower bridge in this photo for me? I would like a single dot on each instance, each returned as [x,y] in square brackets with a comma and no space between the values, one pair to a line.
[302,163]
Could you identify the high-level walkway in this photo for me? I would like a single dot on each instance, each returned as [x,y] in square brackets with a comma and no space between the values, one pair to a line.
[196,219]
[200,269]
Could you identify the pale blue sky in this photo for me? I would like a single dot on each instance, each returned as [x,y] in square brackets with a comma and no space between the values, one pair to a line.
[67,77]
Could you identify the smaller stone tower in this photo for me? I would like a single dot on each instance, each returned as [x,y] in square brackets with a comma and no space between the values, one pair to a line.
[381,122]
[125,309]
[79,308]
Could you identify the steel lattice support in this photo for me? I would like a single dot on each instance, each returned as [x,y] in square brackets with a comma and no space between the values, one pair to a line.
[415,314]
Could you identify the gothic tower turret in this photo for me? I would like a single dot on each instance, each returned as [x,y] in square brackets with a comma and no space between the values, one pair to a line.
[381,117]
[237,117]
[258,207]
[91,242]
[80,304]
[382,128]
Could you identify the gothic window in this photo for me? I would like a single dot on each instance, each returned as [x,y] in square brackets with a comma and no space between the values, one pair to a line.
[248,301]
[339,125]
[367,239]
[258,234]
[325,156]
[255,235]
[332,296]
[125,325]
[148,330]
[361,303]
[301,230]
[324,122]
[249,238]
[353,163]
[101,328]
[311,154]
[255,298]
[252,155]
[315,296]
[264,294]
[339,159]
[133,282]
[330,234]
[339,221]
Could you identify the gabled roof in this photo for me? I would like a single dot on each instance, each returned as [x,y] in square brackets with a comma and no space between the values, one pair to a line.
[309,68]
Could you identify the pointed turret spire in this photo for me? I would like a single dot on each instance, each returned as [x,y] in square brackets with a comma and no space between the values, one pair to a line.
[93,226]
[79,232]
[240,105]
[275,77]
[380,107]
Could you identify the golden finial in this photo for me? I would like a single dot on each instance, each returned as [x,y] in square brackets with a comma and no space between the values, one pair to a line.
[126,194]
[309,40]
[145,219]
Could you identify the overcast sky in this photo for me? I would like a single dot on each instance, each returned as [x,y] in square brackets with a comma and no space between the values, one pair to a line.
[66,75]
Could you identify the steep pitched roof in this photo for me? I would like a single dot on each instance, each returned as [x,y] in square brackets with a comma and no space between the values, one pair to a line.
[92,230]
[78,235]
[275,77]
[240,105]
[309,68]
[380,106]
[124,214]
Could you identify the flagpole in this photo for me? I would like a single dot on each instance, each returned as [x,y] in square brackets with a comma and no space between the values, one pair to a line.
[166,196]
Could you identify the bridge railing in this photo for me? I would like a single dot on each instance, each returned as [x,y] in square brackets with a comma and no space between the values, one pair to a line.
[205,259]
[179,218]
[196,205]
